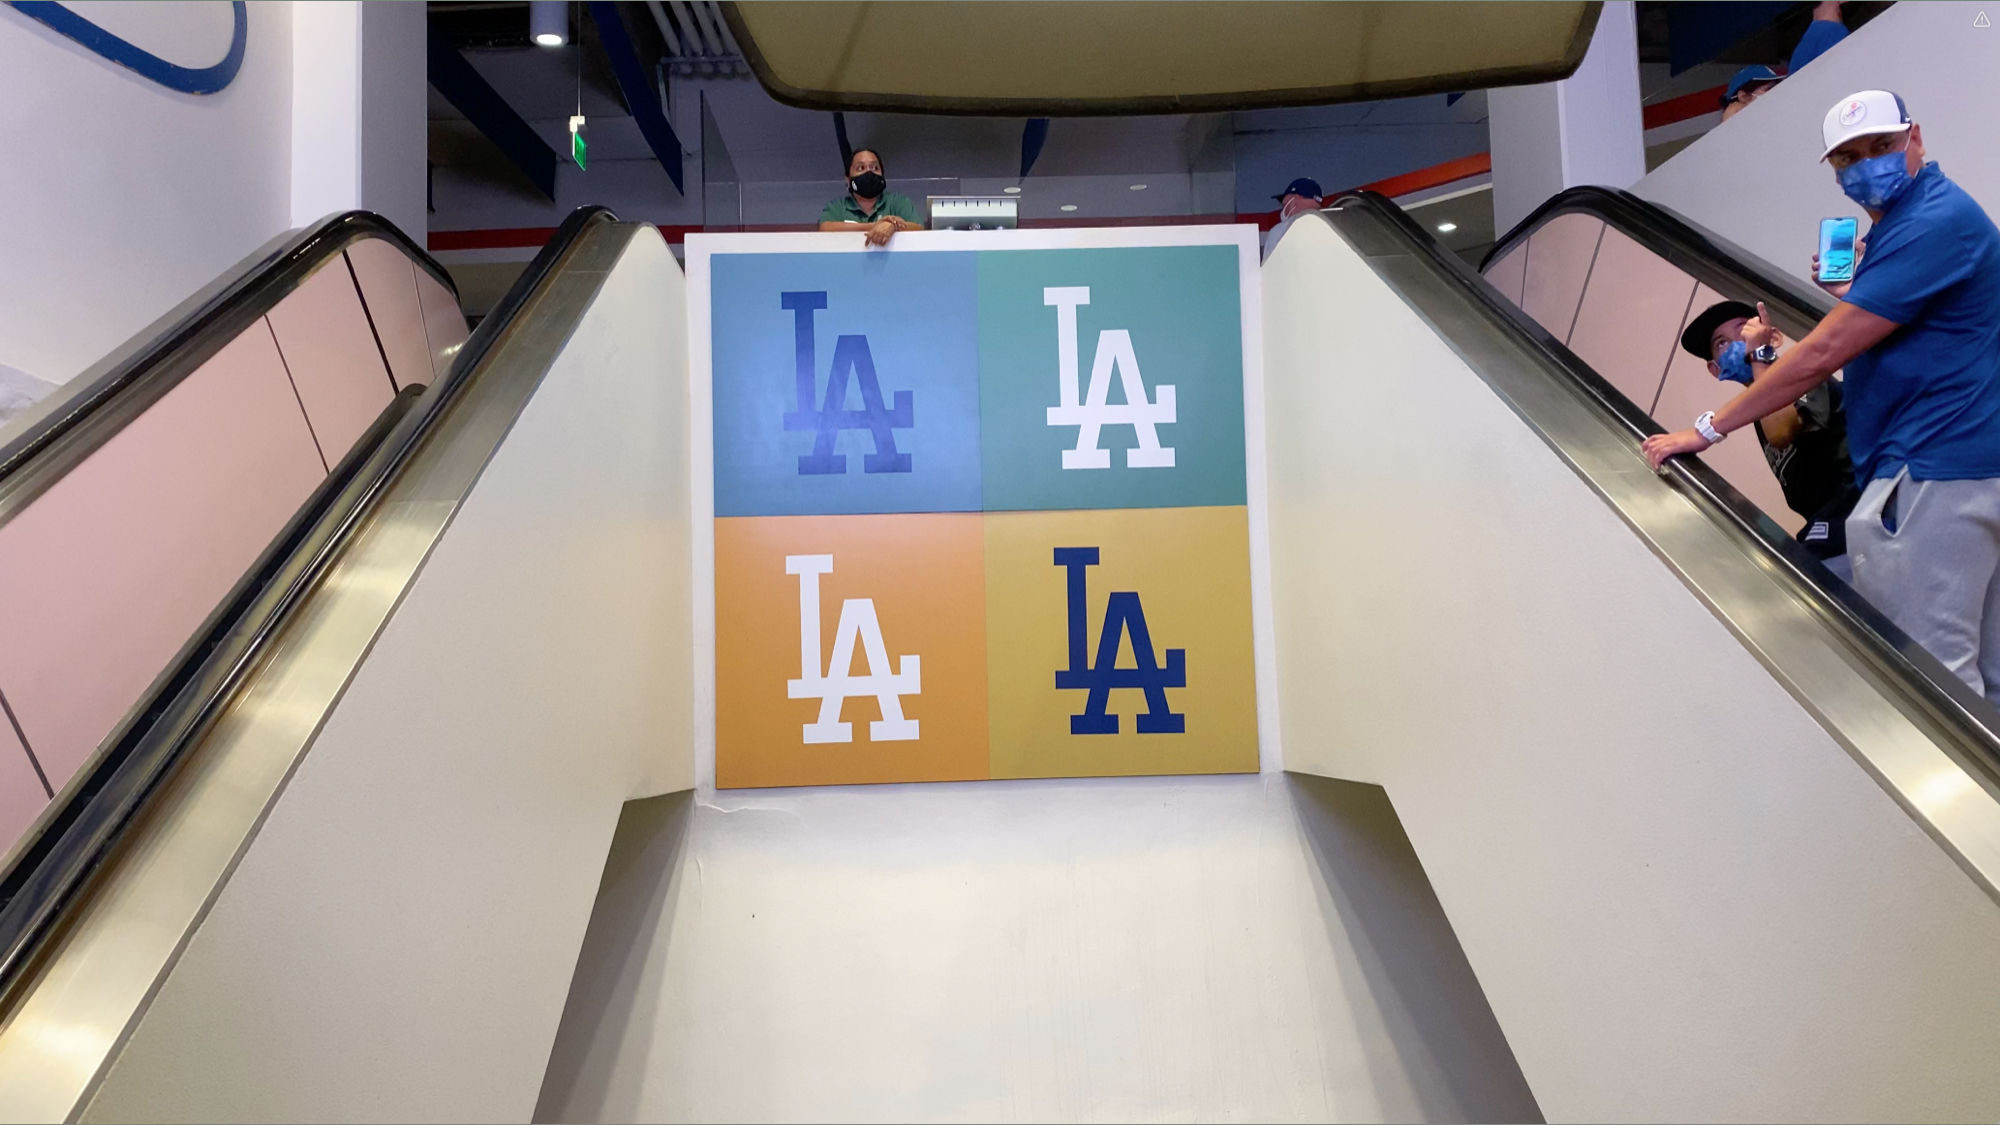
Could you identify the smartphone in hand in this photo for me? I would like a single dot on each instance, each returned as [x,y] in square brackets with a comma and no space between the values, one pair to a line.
[1836,249]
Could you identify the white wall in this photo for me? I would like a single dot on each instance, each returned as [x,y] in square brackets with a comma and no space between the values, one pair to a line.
[394,134]
[398,938]
[122,197]
[358,111]
[1684,899]
[1584,129]
[1757,179]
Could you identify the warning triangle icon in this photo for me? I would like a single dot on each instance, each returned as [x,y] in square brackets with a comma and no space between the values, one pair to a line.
[1980,20]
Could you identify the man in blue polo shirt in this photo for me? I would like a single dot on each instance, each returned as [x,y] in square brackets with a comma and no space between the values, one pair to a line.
[1918,332]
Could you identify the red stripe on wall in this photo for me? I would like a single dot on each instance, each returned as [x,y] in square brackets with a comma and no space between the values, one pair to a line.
[497,239]
[1478,163]
[1683,107]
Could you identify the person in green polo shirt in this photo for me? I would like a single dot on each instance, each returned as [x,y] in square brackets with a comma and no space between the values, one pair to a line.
[869,205]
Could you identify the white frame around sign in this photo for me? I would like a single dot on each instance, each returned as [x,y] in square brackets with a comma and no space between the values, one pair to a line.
[701,424]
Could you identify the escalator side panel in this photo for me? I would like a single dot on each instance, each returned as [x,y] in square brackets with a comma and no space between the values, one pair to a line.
[23,793]
[107,573]
[399,937]
[113,549]
[388,282]
[1685,897]
[1509,272]
[1559,260]
[332,359]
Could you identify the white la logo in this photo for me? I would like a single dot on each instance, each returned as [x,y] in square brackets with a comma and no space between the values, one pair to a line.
[833,687]
[1092,414]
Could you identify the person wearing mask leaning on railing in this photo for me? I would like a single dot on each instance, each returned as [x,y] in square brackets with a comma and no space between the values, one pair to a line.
[869,205]
[1918,332]
[1805,442]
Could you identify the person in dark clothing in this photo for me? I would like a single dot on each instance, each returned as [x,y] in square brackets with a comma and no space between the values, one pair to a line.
[1804,443]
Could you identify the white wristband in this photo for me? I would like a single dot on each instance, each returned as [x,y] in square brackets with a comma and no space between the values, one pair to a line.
[1705,426]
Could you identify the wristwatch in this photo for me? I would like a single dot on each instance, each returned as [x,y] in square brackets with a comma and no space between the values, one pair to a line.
[1705,426]
[1766,354]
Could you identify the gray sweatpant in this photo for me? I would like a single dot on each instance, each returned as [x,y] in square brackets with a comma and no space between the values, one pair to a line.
[1927,554]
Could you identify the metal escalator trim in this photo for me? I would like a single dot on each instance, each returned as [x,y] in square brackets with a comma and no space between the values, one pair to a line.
[1917,730]
[51,437]
[84,978]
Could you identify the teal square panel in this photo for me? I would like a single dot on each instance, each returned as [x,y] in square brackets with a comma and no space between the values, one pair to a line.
[1111,378]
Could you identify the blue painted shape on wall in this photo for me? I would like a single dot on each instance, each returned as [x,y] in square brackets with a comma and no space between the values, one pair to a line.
[845,384]
[186,79]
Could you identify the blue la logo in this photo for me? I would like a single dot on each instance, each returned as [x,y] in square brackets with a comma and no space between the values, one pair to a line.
[1123,616]
[851,360]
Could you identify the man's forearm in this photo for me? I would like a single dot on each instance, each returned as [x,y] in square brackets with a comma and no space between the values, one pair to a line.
[1846,332]
[1802,367]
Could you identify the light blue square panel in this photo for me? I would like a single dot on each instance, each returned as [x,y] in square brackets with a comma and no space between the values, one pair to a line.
[845,383]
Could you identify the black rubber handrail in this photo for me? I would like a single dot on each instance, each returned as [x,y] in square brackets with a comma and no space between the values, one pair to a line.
[1954,709]
[236,301]
[78,835]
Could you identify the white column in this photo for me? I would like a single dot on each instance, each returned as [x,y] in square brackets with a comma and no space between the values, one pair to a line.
[1585,129]
[358,111]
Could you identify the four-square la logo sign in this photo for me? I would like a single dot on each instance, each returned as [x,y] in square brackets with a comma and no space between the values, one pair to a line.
[980,514]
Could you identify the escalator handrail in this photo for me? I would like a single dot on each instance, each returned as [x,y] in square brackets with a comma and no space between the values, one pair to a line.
[1704,255]
[53,868]
[1954,708]
[172,351]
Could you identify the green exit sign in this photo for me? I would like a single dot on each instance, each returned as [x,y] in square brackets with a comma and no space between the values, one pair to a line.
[577,149]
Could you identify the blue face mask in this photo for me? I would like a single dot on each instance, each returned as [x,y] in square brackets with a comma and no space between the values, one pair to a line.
[1875,182]
[1735,363]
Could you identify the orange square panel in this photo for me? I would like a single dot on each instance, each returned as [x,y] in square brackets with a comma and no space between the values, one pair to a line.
[850,649]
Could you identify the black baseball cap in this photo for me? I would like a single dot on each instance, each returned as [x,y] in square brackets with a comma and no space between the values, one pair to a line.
[1695,337]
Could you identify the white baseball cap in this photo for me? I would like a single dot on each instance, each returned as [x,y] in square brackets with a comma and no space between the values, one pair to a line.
[1863,115]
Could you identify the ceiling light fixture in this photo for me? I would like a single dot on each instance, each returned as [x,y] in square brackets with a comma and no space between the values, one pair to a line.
[1447,228]
[548,22]
[1138,187]
[1011,190]
[1069,206]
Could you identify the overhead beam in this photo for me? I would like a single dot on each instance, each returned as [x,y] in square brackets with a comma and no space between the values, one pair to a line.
[469,92]
[639,95]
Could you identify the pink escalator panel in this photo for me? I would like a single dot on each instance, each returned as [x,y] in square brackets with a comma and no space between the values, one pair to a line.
[1509,272]
[331,355]
[21,794]
[1629,324]
[106,575]
[1559,255]
[389,284]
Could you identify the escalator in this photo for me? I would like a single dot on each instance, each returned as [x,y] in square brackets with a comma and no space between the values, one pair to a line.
[401,414]
[1639,246]
[1682,793]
